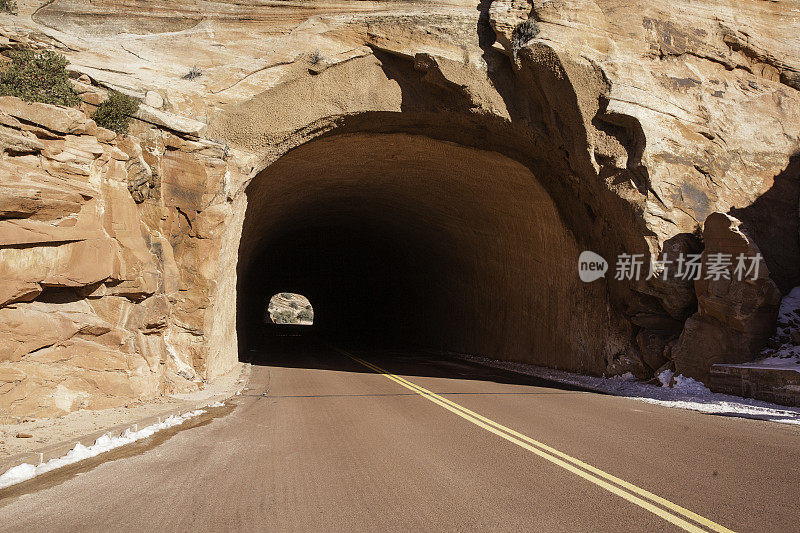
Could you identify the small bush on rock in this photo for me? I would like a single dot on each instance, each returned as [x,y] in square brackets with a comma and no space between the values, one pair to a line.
[38,77]
[193,73]
[316,57]
[8,6]
[523,32]
[284,317]
[116,112]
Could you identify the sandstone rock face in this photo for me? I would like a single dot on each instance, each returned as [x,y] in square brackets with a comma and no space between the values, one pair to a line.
[89,284]
[735,316]
[636,126]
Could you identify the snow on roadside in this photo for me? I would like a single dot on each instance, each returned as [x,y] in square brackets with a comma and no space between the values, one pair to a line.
[686,393]
[26,471]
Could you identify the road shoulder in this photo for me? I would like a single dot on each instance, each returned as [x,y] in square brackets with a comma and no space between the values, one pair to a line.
[54,437]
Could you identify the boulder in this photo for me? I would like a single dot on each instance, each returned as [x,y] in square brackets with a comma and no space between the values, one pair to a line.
[171,121]
[154,100]
[55,118]
[735,317]
[653,347]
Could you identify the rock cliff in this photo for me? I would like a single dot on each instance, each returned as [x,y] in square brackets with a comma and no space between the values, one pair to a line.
[650,127]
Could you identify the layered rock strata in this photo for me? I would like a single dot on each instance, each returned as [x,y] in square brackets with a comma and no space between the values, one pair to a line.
[649,127]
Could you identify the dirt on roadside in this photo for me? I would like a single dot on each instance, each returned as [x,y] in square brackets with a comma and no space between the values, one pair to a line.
[33,434]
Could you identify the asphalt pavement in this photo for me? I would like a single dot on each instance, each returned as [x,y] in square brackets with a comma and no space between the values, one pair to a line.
[326,439]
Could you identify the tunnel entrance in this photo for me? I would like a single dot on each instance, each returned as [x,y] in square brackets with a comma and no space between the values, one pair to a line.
[401,239]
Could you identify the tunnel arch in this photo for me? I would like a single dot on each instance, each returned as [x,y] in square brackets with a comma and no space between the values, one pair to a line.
[544,114]
[454,247]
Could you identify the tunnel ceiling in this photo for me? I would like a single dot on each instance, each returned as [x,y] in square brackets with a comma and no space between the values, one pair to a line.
[405,238]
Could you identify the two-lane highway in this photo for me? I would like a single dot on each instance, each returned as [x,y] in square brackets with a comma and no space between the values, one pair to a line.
[334,440]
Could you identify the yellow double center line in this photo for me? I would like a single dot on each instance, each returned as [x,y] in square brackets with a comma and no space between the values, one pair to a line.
[671,512]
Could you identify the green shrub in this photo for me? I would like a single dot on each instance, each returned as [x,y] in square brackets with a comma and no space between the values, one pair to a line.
[38,77]
[8,6]
[116,112]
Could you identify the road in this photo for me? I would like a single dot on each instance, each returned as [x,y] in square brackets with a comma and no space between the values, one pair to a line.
[322,441]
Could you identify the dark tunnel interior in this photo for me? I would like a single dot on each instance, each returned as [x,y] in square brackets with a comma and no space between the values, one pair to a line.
[364,278]
[402,240]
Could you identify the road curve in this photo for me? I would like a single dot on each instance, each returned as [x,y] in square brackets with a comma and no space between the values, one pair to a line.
[398,441]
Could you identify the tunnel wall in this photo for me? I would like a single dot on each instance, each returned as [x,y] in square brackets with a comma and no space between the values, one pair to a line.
[487,260]
[539,125]
[555,115]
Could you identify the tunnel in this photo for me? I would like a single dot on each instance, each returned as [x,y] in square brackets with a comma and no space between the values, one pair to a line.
[400,239]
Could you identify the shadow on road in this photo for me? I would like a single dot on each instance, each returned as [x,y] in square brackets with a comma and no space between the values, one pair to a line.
[290,346]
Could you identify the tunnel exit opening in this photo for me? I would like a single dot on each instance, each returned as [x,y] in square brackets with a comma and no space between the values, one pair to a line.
[289,308]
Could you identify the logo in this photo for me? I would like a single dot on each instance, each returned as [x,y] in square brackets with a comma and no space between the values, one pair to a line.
[591,266]
[711,266]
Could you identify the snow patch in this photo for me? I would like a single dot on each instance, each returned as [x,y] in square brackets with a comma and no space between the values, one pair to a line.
[690,386]
[789,306]
[26,471]
[665,377]
[685,393]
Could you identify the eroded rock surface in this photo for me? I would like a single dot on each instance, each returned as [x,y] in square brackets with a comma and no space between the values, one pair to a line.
[118,255]
[90,290]
[736,314]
